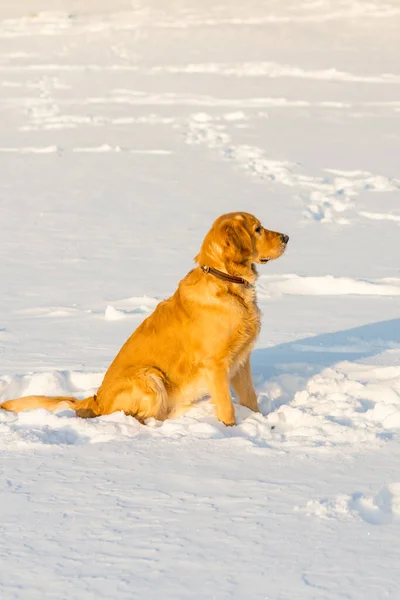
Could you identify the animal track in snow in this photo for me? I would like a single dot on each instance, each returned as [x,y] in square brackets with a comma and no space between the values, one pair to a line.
[325,198]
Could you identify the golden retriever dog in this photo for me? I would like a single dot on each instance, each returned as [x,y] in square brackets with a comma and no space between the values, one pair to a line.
[196,343]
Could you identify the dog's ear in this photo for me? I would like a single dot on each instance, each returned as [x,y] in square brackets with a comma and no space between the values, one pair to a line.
[237,241]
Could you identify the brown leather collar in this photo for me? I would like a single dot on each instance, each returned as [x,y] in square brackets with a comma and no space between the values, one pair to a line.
[226,277]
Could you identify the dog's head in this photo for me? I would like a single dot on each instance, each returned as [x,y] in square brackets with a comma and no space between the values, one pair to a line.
[241,239]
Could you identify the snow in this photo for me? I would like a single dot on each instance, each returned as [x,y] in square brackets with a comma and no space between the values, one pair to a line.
[126,128]
[378,509]
[327,286]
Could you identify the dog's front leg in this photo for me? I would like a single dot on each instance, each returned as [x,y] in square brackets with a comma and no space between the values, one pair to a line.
[218,384]
[242,384]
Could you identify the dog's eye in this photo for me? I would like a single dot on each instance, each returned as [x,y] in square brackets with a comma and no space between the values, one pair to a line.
[258,229]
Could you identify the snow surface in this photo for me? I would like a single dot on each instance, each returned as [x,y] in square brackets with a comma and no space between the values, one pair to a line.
[126,128]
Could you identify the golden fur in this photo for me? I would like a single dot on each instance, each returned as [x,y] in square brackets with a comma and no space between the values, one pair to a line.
[195,343]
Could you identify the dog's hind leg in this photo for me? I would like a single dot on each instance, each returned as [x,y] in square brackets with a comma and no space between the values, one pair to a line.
[139,392]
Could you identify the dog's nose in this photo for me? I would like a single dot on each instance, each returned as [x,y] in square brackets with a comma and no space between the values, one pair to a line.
[284,238]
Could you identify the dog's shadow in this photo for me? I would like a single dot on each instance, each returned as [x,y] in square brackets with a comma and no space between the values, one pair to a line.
[300,360]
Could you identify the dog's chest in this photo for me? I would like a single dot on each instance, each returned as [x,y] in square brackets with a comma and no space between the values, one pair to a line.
[248,323]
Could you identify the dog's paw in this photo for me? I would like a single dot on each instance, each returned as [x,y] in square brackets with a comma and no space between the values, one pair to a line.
[227,419]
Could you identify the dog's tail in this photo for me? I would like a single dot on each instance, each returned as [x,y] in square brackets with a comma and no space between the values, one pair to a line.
[86,408]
